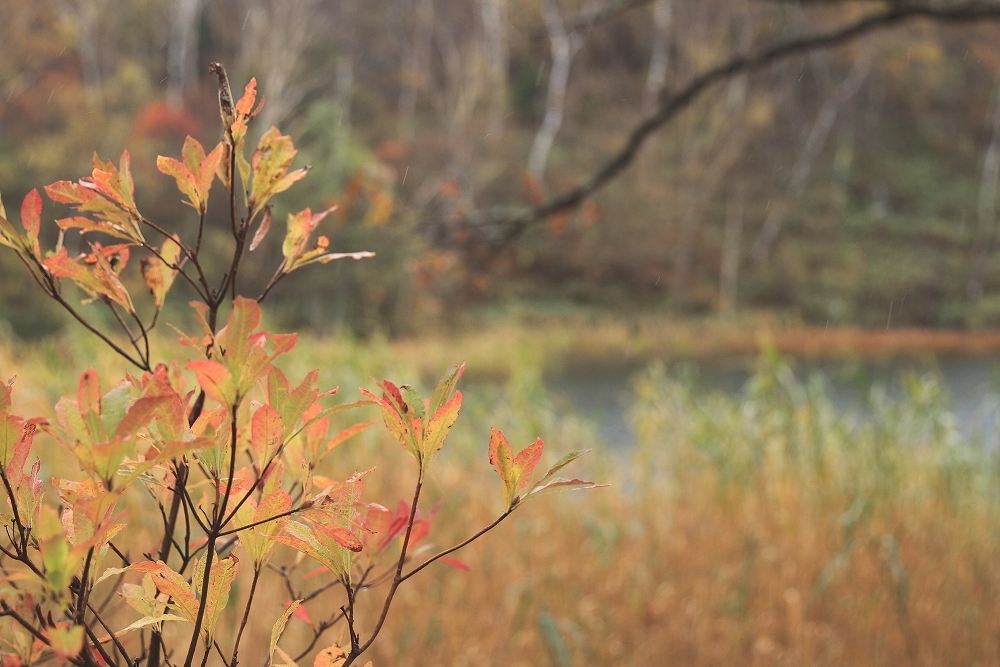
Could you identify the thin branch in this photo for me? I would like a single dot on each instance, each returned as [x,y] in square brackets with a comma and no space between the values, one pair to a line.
[219,513]
[97,644]
[397,579]
[594,16]
[92,329]
[318,632]
[107,628]
[132,338]
[460,545]
[282,515]
[246,617]
[192,255]
[502,224]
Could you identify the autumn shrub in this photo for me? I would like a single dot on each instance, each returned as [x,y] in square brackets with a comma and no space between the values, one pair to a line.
[167,484]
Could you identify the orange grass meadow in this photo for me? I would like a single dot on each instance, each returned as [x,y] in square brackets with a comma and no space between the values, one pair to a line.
[760,529]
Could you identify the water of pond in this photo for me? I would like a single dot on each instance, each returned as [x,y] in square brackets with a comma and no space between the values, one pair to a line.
[973,386]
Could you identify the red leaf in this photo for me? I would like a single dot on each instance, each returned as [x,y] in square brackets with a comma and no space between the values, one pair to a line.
[391,392]
[526,460]
[31,217]
[454,562]
[341,536]
[301,612]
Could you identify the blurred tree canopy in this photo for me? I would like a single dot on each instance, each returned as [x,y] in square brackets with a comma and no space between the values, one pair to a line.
[837,184]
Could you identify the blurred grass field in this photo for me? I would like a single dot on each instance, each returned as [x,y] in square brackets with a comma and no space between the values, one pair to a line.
[760,528]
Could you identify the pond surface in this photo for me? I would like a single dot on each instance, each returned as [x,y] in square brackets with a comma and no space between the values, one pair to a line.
[605,397]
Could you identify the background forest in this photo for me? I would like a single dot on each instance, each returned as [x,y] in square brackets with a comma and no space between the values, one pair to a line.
[830,187]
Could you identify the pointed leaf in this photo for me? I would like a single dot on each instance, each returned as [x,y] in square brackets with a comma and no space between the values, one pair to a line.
[395,423]
[344,435]
[341,536]
[279,626]
[216,380]
[159,272]
[31,219]
[186,181]
[220,581]
[266,431]
[439,425]
[526,460]
[502,459]
[561,484]
[99,280]
[262,230]
[559,465]
[445,386]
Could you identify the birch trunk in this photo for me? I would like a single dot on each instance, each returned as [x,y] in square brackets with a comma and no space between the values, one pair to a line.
[731,241]
[496,52]
[986,208]
[659,59]
[416,67]
[564,45]
[182,51]
[802,168]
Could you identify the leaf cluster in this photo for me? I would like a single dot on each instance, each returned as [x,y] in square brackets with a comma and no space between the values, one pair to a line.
[226,446]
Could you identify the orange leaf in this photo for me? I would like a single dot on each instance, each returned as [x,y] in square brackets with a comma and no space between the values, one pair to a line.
[97,280]
[502,459]
[331,656]
[158,273]
[439,425]
[526,460]
[396,424]
[300,227]
[216,380]
[88,393]
[266,431]
[209,167]
[185,178]
[31,218]
[345,435]
[245,103]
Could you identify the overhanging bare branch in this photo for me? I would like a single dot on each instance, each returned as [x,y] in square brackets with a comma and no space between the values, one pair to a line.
[502,224]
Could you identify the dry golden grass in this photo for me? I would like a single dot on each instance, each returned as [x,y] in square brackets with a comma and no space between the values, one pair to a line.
[760,530]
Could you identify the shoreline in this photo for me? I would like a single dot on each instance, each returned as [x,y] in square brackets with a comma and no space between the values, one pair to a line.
[563,347]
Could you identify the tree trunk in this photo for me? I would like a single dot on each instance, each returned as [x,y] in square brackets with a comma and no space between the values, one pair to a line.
[564,45]
[806,159]
[344,87]
[986,209]
[182,51]
[731,240]
[659,60]
[496,51]
[416,67]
